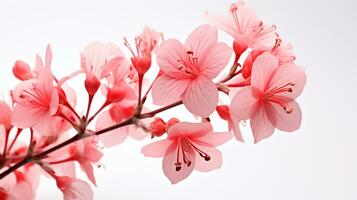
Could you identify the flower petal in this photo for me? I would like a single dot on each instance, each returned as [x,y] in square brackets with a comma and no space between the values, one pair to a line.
[167,89]
[215,138]
[261,125]
[236,130]
[221,22]
[201,97]
[156,149]
[263,68]
[200,39]
[169,167]
[243,104]
[168,56]
[287,121]
[214,59]
[215,161]
[193,130]
[289,73]
[111,138]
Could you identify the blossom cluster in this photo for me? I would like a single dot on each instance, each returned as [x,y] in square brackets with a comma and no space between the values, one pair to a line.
[262,83]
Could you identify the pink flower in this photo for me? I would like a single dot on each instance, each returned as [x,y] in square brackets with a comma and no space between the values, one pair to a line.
[100,59]
[145,43]
[188,146]
[16,186]
[36,102]
[245,27]
[22,70]
[233,123]
[269,101]
[188,70]
[74,188]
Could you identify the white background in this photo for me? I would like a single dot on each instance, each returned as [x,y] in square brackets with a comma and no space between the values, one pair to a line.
[319,161]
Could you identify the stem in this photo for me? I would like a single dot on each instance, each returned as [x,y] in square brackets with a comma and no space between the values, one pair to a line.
[14,140]
[5,145]
[98,111]
[153,113]
[90,100]
[72,109]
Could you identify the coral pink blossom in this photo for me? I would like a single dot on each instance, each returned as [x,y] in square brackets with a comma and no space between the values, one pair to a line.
[245,27]
[188,146]
[99,59]
[74,189]
[36,102]
[233,123]
[22,70]
[145,43]
[269,101]
[188,71]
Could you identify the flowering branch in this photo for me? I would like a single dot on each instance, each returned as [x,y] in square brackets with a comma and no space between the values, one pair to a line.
[262,88]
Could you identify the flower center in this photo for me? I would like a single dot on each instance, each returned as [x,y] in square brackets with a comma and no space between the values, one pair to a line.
[34,97]
[184,146]
[271,96]
[190,66]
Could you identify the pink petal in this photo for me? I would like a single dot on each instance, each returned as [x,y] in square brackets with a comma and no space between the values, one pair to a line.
[215,59]
[287,73]
[261,125]
[193,130]
[287,121]
[23,190]
[236,130]
[24,117]
[243,104]
[111,138]
[200,39]
[156,149]
[215,161]
[48,58]
[222,23]
[88,169]
[263,68]
[215,138]
[169,167]
[135,132]
[168,56]
[111,65]
[168,89]
[44,125]
[201,97]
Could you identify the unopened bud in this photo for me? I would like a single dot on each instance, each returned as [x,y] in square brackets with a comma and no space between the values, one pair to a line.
[157,127]
[91,84]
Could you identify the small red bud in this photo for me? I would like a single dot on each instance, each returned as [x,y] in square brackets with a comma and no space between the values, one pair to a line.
[157,127]
[171,122]
[223,112]
[92,84]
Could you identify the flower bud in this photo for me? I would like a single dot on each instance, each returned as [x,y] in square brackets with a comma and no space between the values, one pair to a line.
[223,112]
[157,127]
[22,71]
[116,93]
[171,122]
[91,84]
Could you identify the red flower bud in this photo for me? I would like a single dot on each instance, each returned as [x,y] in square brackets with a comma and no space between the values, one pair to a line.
[157,127]
[223,112]
[92,84]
